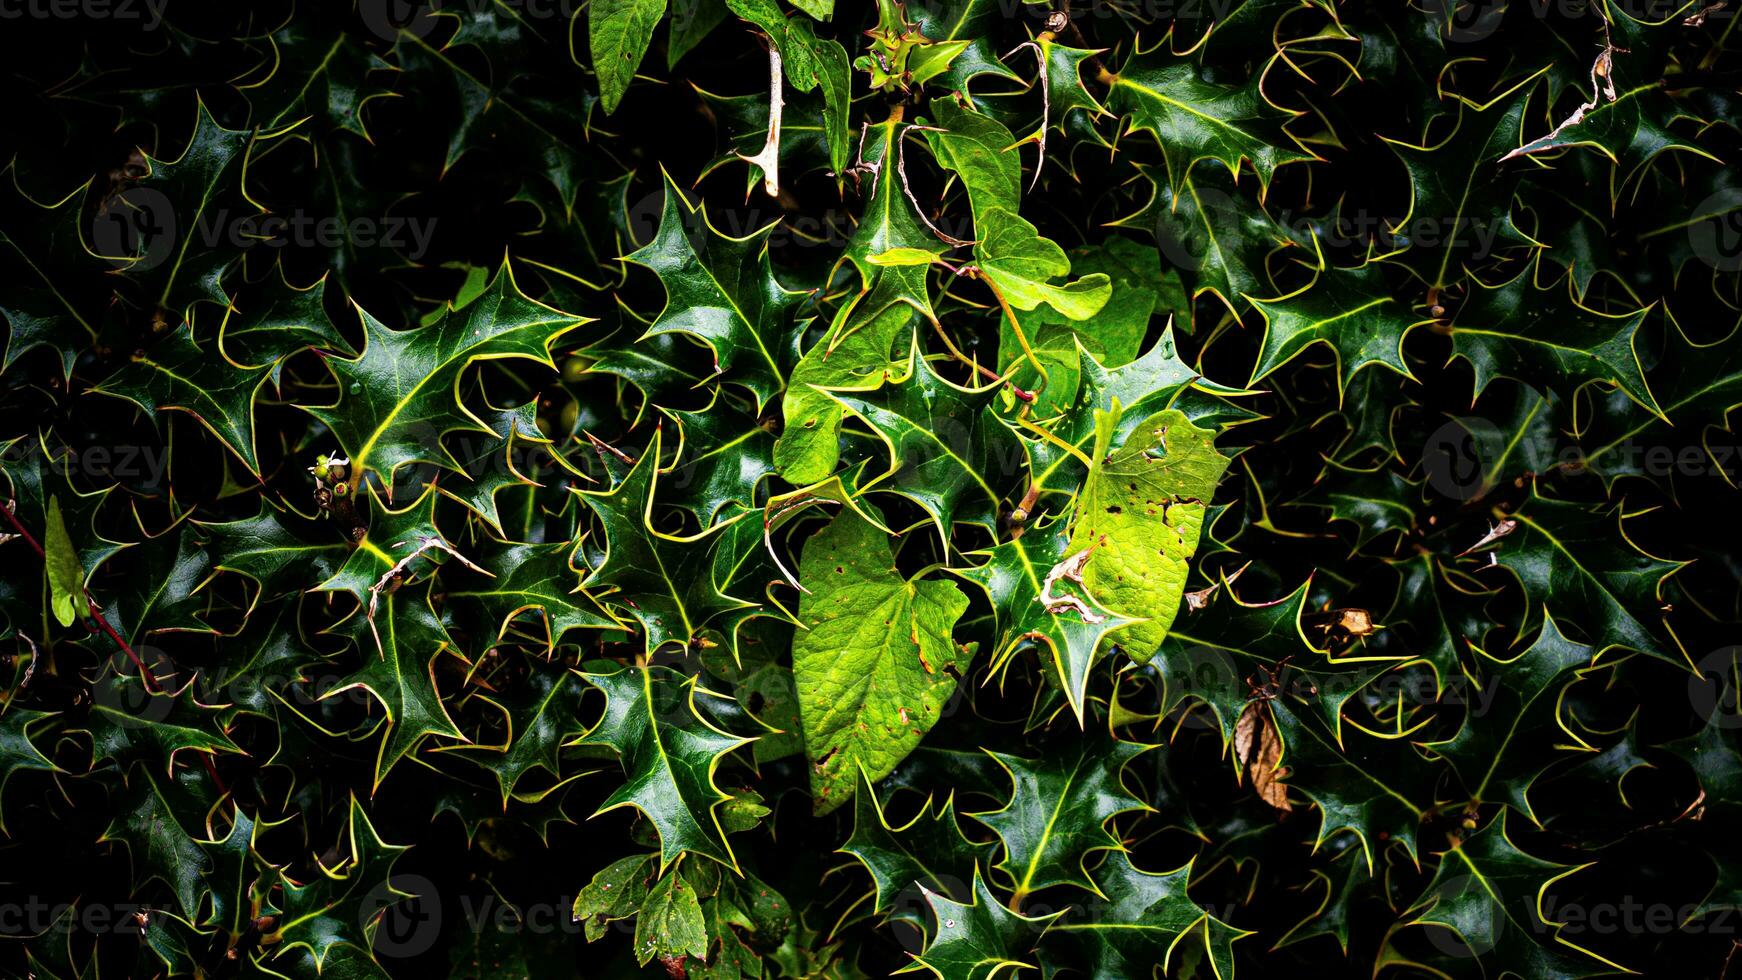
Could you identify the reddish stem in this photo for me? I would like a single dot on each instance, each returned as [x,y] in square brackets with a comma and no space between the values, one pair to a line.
[97,617]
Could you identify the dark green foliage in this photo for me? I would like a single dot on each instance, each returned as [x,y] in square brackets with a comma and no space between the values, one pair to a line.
[1191,489]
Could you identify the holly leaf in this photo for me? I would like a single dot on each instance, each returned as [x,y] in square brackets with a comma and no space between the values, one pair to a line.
[945,445]
[1578,562]
[1460,192]
[1037,605]
[1528,331]
[48,303]
[669,752]
[533,577]
[1056,817]
[177,375]
[673,595]
[399,672]
[1351,311]
[340,905]
[1488,894]
[157,840]
[403,392]
[1195,119]
[979,940]
[542,711]
[722,291]
[1207,228]
[1142,913]
[159,231]
[928,851]
[1513,719]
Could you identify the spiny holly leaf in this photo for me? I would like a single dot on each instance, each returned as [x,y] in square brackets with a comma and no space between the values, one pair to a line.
[1508,735]
[669,752]
[17,752]
[391,537]
[158,230]
[1523,329]
[1194,119]
[236,869]
[1352,311]
[1630,130]
[280,321]
[1460,192]
[1056,817]
[970,21]
[1139,516]
[672,594]
[1066,103]
[1219,640]
[47,302]
[948,452]
[167,595]
[722,291]
[1036,607]
[400,674]
[874,662]
[130,723]
[269,653]
[491,465]
[1377,788]
[533,577]
[979,940]
[1207,227]
[340,905]
[403,392]
[724,454]
[1143,917]
[1703,379]
[1578,563]
[150,820]
[538,715]
[928,850]
[266,549]
[1488,893]
[177,375]
[312,74]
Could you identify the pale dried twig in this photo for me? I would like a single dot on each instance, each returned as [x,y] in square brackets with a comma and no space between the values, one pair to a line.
[389,579]
[769,158]
[1602,87]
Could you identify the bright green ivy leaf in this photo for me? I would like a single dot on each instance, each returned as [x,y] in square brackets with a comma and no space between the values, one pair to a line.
[874,662]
